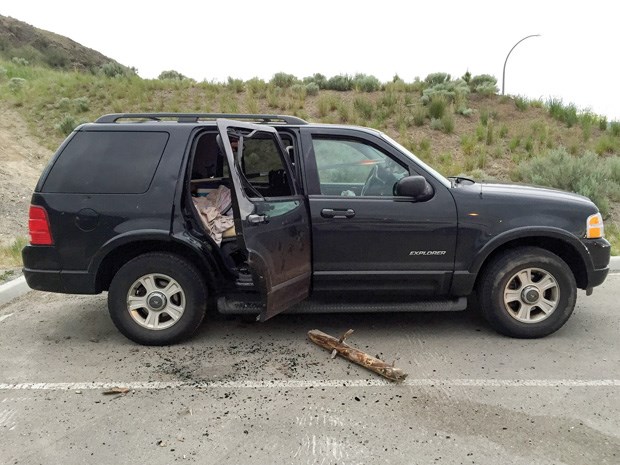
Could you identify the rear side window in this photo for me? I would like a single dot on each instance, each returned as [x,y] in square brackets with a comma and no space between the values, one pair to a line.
[107,163]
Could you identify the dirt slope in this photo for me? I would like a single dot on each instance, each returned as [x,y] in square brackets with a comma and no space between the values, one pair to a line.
[21,163]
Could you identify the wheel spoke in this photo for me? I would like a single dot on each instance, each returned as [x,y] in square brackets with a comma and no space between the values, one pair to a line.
[546,306]
[135,302]
[148,282]
[171,289]
[512,296]
[524,312]
[525,276]
[174,311]
[546,282]
[152,320]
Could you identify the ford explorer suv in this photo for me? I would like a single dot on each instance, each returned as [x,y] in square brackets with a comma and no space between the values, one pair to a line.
[173,214]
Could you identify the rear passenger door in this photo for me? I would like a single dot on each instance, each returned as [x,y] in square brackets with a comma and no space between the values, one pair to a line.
[269,212]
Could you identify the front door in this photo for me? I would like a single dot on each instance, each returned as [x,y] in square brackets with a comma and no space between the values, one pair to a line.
[270,215]
[365,238]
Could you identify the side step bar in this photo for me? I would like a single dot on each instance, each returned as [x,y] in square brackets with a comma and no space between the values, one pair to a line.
[239,307]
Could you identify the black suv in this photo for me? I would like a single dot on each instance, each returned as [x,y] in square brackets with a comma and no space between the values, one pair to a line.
[171,213]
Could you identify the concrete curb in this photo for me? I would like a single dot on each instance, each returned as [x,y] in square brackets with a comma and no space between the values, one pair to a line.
[13,289]
[18,287]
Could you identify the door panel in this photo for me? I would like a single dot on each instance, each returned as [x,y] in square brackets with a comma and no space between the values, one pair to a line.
[380,242]
[275,230]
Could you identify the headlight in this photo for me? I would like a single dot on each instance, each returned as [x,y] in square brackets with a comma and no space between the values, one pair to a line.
[595,229]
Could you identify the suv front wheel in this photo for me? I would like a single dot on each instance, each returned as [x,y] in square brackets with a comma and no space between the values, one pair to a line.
[527,293]
[157,299]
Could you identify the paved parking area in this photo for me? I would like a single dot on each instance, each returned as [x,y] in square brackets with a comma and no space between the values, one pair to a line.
[261,393]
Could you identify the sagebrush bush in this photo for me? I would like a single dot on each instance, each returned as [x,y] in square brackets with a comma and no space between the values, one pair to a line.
[236,85]
[366,83]
[484,84]
[171,74]
[312,88]
[341,82]
[112,70]
[585,174]
[16,84]
[283,80]
[437,124]
[67,124]
[81,104]
[437,78]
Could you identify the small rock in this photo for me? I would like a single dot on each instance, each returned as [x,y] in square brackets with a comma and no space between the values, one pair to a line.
[78,392]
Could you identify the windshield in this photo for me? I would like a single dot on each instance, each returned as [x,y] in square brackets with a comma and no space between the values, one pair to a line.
[427,168]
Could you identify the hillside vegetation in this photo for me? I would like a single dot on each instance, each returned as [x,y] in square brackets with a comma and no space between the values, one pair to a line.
[458,125]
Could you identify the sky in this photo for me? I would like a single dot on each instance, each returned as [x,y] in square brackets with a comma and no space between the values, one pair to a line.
[575,58]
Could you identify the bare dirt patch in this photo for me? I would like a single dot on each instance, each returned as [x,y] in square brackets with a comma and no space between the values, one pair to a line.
[21,161]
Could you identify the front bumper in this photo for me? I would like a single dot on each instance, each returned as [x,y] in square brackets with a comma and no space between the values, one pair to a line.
[600,253]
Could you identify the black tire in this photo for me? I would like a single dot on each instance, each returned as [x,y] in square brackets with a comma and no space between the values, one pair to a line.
[508,289]
[175,282]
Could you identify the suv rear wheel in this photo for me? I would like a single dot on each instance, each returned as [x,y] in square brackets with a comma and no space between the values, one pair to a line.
[527,293]
[157,299]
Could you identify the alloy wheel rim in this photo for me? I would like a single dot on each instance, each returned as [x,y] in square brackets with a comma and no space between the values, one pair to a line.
[531,295]
[156,301]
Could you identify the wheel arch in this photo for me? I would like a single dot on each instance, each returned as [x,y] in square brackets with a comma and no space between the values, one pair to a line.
[568,248]
[122,251]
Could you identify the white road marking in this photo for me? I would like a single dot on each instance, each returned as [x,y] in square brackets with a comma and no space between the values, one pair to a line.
[4,317]
[291,384]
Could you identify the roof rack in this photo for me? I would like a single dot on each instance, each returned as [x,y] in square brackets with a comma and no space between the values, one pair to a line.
[195,117]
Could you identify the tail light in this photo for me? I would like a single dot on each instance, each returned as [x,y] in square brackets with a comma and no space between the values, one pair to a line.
[39,226]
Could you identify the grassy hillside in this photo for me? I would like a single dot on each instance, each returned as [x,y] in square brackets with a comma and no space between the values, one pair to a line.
[24,43]
[459,126]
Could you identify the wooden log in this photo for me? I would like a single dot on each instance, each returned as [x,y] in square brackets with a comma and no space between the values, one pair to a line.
[355,355]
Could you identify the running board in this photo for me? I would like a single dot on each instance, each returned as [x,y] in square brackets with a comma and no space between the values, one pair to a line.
[244,307]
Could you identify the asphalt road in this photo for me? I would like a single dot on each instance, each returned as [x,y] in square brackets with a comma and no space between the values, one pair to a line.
[245,393]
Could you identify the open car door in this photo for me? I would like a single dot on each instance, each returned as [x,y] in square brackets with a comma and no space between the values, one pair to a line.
[271,218]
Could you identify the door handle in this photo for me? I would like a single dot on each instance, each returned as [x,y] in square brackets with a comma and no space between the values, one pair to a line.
[257,219]
[337,213]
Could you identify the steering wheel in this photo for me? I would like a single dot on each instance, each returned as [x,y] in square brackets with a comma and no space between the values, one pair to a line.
[374,185]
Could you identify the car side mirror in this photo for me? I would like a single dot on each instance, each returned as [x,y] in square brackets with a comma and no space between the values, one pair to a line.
[414,186]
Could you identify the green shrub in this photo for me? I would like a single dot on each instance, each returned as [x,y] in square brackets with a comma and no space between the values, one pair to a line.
[468,144]
[81,104]
[521,103]
[565,113]
[437,78]
[366,83]
[113,70]
[3,73]
[363,107]
[514,143]
[448,123]
[437,107]
[318,79]
[256,85]
[312,88]
[11,254]
[490,136]
[607,144]
[171,75]
[20,61]
[436,124]
[602,123]
[585,174]
[503,131]
[67,125]
[16,84]
[484,84]
[283,80]
[484,116]
[341,82]
[327,104]
[235,85]
[419,116]
[614,128]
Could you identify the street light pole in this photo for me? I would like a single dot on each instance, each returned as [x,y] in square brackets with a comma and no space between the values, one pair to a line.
[506,61]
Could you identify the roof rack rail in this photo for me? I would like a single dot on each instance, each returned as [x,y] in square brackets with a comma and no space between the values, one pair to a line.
[195,117]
